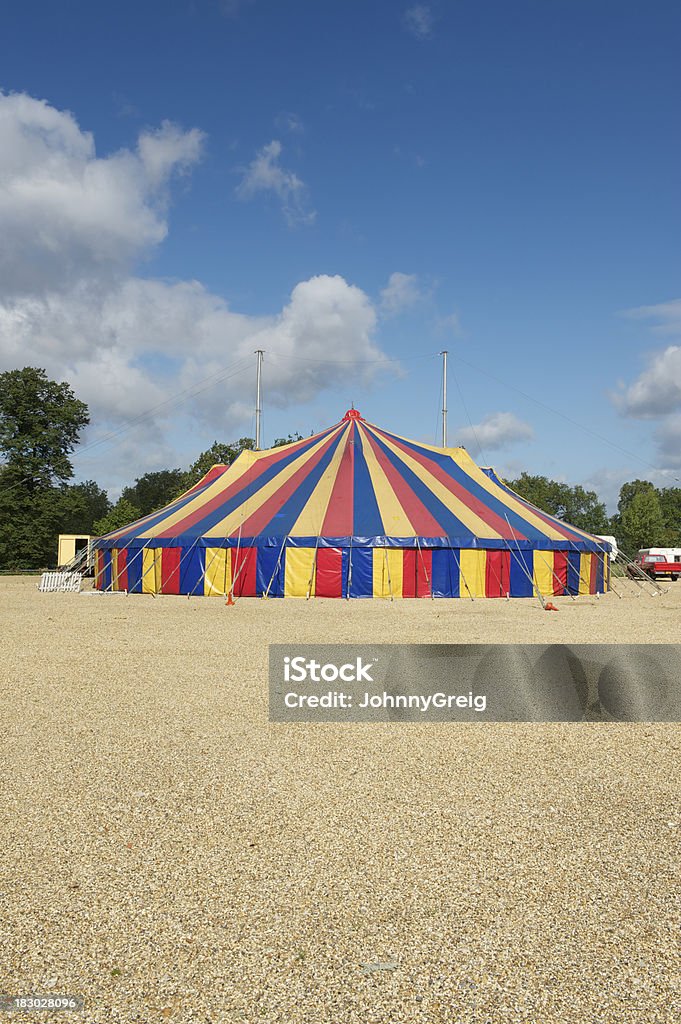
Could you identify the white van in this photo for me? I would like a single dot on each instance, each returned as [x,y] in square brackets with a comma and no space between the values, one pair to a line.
[614,550]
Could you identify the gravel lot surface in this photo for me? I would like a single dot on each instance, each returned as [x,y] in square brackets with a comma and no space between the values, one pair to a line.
[170,855]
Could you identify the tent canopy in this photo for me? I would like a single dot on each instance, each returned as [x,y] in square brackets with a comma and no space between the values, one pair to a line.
[353,485]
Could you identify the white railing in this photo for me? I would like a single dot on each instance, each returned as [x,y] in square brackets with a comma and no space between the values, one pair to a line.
[63,581]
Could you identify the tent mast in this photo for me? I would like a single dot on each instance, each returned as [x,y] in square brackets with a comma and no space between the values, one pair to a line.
[444,398]
[258,398]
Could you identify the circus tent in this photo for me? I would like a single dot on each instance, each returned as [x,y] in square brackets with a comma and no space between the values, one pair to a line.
[353,511]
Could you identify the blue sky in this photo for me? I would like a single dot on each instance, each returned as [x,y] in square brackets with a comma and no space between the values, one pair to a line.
[351,186]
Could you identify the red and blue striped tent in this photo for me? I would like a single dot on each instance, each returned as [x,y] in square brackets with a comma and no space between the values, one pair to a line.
[354,511]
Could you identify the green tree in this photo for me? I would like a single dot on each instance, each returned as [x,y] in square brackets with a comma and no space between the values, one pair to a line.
[291,439]
[219,453]
[154,490]
[670,504]
[575,505]
[628,492]
[40,423]
[122,513]
[81,506]
[642,522]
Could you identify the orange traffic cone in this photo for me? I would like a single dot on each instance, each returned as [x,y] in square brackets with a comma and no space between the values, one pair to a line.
[230,600]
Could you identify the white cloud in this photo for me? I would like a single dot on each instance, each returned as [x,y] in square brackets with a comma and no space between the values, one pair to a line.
[67,214]
[131,345]
[419,21]
[168,149]
[137,343]
[401,291]
[656,392]
[265,174]
[496,431]
[668,315]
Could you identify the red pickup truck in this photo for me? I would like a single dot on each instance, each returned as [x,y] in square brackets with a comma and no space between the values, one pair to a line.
[658,562]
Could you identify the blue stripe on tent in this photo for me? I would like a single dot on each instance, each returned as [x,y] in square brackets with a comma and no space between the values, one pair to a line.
[468,540]
[106,559]
[192,565]
[135,558]
[573,572]
[576,537]
[517,522]
[522,568]
[283,521]
[445,573]
[365,507]
[269,576]
[244,494]
[362,574]
[345,570]
[247,493]
[452,527]
[142,525]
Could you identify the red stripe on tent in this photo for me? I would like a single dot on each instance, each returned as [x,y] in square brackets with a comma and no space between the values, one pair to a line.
[490,518]
[409,572]
[170,570]
[423,522]
[249,477]
[329,581]
[338,521]
[424,572]
[417,567]
[552,521]
[243,571]
[560,569]
[122,560]
[213,473]
[498,574]
[257,522]
[592,574]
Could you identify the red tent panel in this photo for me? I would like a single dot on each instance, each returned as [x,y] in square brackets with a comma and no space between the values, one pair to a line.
[498,574]
[560,569]
[170,570]
[329,581]
[243,571]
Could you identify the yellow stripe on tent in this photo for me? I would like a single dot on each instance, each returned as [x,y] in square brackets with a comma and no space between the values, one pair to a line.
[462,512]
[472,567]
[234,473]
[114,569]
[606,572]
[151,570]
[395,520]
[311,519]
[544,579]
[298,572]
[388,563]
[585,574]
[511,501]
[230,524]
[217,579]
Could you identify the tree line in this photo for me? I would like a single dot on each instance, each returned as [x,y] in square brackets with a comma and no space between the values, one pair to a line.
[41,422]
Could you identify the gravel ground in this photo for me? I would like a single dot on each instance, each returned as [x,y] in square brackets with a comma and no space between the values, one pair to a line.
[170,855]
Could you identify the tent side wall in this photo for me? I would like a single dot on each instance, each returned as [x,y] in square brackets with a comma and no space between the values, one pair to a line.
[359,571]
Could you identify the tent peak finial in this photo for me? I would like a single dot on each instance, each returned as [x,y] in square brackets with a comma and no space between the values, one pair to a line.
[352,414]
